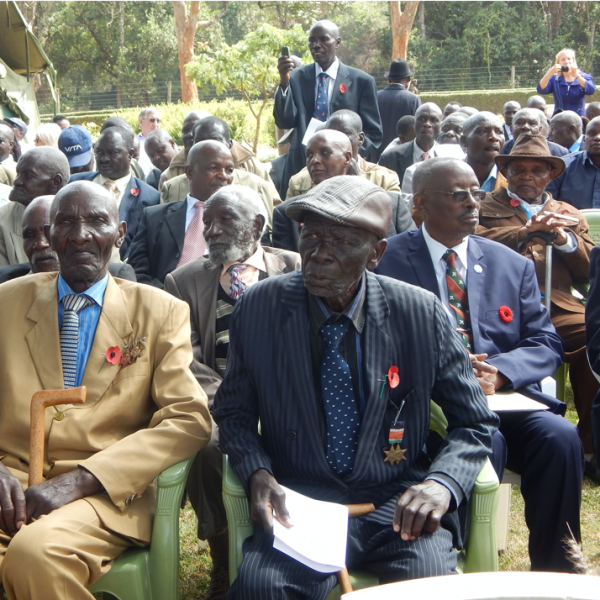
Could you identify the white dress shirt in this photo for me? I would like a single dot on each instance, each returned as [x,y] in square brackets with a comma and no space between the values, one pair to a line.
[418,152]
[191,210]
[436,252]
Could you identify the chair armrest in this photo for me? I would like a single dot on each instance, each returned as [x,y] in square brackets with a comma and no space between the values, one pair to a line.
[481,548]
[164,547]
[238,516]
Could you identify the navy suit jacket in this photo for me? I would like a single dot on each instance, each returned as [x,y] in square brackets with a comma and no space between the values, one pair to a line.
[158,244]
[270,377]
[555,149]
[132,205]
[296,109]
[526,349]
[398,158]
[394,102]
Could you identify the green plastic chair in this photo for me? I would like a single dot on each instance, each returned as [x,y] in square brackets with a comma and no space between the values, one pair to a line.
[152,573]
[479,555]
[592,216]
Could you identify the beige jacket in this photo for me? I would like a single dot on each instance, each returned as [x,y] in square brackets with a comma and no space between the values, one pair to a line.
[135,422]
[243,159]
[8,171]
[177,189]
[382,176]
[11,234]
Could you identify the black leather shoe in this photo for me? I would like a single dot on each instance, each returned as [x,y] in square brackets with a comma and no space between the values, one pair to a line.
[591,470]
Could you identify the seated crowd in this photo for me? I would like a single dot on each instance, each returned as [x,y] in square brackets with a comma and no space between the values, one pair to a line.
[302,328]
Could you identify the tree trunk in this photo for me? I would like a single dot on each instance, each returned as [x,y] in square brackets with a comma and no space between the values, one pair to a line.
[402,22]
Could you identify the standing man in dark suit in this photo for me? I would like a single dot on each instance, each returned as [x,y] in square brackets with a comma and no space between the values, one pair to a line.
[313,92]
[395,101]
[285,334]
[509,111]
[428,121]
[513,345]
[171,235]
[234,220]
[114,151]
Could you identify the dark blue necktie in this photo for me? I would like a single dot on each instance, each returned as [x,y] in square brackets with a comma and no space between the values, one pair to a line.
[321,105]
[338,398]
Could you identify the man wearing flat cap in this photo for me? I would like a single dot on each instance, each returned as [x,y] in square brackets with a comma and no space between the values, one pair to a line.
[509,215]
[395,101]
[333,439]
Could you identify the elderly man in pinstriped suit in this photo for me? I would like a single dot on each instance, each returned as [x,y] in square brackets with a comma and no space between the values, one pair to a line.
[286,334]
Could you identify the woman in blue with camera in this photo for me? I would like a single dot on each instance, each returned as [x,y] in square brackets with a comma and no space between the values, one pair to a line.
[569,85]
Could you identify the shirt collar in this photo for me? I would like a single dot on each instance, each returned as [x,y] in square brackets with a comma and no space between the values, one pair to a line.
[354,311]
[437,250]
[526,204]
[332,71]
[577,145]
[421,151]
[122,182]
[95,293]
[191,201]
[257,260]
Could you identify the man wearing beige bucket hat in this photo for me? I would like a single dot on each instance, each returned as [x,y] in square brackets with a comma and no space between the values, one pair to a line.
[509,215]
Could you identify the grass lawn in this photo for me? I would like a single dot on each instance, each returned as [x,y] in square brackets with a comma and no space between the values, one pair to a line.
[194,565]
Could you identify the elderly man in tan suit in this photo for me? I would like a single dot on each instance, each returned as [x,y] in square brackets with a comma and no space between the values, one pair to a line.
[141,415]
[234,219]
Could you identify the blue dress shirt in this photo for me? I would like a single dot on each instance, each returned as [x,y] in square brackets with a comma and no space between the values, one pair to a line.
[88,320]
[579,185]
[569,96]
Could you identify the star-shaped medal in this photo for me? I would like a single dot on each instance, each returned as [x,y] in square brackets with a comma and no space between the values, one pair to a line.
[394,455]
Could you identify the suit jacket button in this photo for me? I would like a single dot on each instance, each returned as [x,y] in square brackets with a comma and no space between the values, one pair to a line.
[177,255]
[291,435]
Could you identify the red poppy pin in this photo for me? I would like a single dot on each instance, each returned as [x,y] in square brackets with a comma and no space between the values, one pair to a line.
[505,314]
[514,202]
[131,352]
[343,88]
[134,191]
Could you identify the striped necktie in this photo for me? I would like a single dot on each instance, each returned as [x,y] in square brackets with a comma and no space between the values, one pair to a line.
[341,413]
[236,285]
[69,335]
[458,300]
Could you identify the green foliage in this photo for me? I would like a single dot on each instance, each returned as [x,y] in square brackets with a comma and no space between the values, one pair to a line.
[248,67]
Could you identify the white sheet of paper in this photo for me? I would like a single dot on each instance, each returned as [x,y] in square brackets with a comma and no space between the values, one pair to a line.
[506,401]
[311,129]
[318,537]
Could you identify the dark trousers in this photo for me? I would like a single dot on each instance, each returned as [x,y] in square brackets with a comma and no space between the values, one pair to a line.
[372,545]
[205,488]
[546,451]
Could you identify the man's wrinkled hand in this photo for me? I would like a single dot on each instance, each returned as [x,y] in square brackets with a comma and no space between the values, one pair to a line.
[547,224]
[12,502]
[49,495]
[421,507]
[266,495]
[487,375]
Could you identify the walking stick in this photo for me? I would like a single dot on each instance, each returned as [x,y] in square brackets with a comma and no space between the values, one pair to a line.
[354,510]
[40,401]
[548,239]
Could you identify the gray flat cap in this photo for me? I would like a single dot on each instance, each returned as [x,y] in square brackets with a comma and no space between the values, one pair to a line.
[348,200]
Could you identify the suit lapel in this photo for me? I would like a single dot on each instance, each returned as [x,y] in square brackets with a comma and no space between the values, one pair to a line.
[44,338]
[299,368]
[476,277]
[343,77]
[175,220]
[206,289]
[128,199]
[377,357]
[420,260]
[275,266]
[114,329]
[307,85]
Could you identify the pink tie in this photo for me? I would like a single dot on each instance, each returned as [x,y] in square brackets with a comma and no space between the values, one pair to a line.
[193,243]
[424,156]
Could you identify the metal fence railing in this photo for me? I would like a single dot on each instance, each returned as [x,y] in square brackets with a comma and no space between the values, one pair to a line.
[87,98]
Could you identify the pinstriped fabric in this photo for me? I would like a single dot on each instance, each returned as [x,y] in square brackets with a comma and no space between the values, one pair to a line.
[69,336]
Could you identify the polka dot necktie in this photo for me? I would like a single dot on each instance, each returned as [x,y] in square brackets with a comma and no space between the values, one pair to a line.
[338,398]
[236,285]
[321,105]
[194,244]
[69,335]
[458,300]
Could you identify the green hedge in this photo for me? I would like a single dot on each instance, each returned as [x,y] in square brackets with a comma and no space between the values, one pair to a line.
[235,112]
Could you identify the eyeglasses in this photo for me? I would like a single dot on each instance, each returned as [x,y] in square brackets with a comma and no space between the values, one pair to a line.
[462,195]
[152,119]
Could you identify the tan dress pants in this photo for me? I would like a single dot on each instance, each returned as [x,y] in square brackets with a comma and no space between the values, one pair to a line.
[59,555]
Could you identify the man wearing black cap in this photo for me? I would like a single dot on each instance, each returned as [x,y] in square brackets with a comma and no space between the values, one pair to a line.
[509,215]
[332,439]
[395,100]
